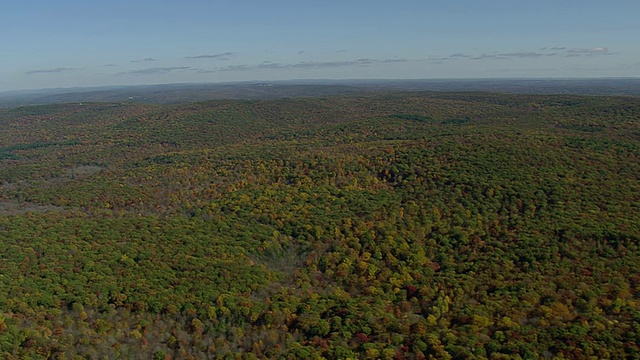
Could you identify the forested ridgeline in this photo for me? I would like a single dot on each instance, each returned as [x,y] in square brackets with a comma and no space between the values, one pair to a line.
[403,225]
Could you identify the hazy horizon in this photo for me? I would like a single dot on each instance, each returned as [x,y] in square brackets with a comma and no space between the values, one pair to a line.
[71,43]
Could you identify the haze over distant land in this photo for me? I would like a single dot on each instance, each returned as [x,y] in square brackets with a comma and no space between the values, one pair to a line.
[72,43]
[182,93]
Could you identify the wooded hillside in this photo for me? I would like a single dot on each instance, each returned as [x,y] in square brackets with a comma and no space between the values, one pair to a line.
[397,225]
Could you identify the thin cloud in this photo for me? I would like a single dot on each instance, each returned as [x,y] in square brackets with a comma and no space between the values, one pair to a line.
[236,68]
[333,64]
[145,59]
[544,52]
[485,56]
[328,64]
[264,65]
[510,55]
[222,56]
[54,70]
[155,71]
[526,54]
[591,51]
[438,59]
[269,65]
[313,64]
[389,61]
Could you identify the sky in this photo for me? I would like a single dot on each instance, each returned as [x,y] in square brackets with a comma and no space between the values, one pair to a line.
[80,43]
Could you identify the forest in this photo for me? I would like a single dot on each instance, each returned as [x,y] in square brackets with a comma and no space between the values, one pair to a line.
[386,225]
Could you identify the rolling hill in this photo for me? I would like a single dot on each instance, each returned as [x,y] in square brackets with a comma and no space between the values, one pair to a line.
[385,224]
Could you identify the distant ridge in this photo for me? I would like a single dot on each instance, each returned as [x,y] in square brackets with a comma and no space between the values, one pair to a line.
[183,93]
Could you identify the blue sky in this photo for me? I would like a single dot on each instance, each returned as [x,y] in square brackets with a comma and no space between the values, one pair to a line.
[66,43]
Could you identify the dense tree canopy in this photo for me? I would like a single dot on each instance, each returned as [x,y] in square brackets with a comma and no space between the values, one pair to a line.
[387,226]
